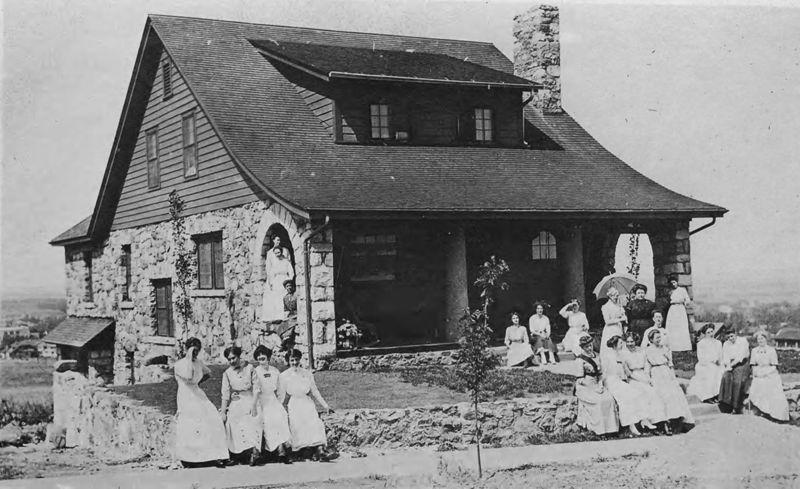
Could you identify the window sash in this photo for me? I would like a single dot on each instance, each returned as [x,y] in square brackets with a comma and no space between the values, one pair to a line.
[88,293]
[210,263]
[189,146]
[543,247]
[164,326]
[126,263]
[151,142]
[483,125]
[379,121]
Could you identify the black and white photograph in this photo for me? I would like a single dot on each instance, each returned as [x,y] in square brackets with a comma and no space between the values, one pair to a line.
[263,244]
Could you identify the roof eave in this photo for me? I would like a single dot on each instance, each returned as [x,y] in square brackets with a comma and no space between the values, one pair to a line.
[71,241]
[441,213]
[430,81]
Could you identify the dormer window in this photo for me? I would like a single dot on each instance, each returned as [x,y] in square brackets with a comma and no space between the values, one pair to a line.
[483,125]
[379,121]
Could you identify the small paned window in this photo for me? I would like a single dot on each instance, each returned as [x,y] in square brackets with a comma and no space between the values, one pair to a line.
[543,247]
[483,125]
[189,146]
[379,121]
[88,293]
[166,71]
[374,257]
[126,265]
[163,309]
[210,261]
[151,141]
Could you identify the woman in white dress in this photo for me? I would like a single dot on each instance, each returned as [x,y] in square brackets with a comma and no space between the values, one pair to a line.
[766,389]
[279,270]
[677,319]
[596,409]
[578,325]
[614,318]
[239,408]
[708,370]
[658,323]
[519,347]
[630,405]
[635,362]
[539,325]
[305,426]
[662,374]
[271,413]
[200,433]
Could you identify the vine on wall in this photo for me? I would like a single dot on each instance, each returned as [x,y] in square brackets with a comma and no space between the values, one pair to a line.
[183,262]
[633,253]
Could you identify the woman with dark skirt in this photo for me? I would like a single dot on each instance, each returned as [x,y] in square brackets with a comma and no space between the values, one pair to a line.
[543,345]
[736,375]
[639,311]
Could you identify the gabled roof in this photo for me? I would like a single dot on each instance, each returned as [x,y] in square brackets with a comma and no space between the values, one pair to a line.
[77,331]
[76,232]
[329,62]
[276,140]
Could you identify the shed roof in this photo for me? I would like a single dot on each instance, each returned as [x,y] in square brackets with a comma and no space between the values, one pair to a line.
[77,331]
[790,333]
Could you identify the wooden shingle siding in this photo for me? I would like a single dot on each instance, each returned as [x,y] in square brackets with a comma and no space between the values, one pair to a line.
[219,183]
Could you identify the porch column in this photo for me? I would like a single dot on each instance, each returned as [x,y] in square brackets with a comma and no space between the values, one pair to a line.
[671,254]
[455,281]
[570,251]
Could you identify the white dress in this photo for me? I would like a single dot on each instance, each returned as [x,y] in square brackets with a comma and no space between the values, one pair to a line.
[540,329]
[279,270]
[630,406]
[646,339]
[677,323]
[519,347]
[613,316]
[766,389]
[242,430]
[640,380]
[199,432]
[578,324]
[274,420]
[708,370]
[596,409]
[666,385]
[307,429]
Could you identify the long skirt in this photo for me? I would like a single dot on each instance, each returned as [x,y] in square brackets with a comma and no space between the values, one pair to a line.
[654,408]
[518,353]
[570,341]
[274,421]
[677,326]
[199,432]
[705,383]
[671,394]
[242,431]
[541,343]
[272,307]
[766,393]
[608,331]
[596,410]
[733,387]
[630,406]
[304,424]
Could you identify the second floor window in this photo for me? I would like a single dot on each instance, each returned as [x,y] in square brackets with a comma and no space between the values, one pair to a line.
[210,259]
[88,294]
[189,146]
[151,141]
[126,265]
[483,125]
[379,121]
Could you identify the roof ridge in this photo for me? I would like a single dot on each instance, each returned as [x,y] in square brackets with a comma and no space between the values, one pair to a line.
[322,29]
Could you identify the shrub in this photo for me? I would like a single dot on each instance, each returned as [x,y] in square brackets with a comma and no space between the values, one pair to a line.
[25,412]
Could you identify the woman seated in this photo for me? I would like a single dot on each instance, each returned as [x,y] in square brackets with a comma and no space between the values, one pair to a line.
[596,409]
[736,372]
[199,431]
[708,370]
[766,389]
[658,323]
[662,374]
[539,325]
[519,347]
[578,325]
[630,405]
[639,378]
[305,426]
[239,408]
[272,414]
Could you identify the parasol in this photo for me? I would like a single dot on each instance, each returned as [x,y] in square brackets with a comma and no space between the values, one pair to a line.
[623,282]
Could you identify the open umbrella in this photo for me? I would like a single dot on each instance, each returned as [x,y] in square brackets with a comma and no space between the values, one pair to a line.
[623,282]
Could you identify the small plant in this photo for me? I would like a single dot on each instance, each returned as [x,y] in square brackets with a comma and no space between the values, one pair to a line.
[183,261]
[347,335]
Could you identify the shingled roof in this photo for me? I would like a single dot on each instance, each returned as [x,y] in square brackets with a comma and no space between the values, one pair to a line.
[77,331]
[275,138]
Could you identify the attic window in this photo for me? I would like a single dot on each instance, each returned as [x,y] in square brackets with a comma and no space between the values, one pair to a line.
[166,71]
[379,121]
[483,125]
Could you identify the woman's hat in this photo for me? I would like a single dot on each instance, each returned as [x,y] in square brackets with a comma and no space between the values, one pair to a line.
[585,340]
[637,287]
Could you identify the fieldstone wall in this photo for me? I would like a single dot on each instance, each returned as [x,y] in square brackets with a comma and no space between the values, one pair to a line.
[394,361]
[537,54]
[672,254]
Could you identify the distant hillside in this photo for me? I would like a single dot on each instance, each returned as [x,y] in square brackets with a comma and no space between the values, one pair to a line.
[36,307]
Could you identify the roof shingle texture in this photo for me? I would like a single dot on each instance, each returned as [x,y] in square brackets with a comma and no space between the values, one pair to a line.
[77,331]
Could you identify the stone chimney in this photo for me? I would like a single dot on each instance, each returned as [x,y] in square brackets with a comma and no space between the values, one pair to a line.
[537,54]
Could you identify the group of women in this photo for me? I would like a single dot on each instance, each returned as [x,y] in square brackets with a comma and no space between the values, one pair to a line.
[520,352]
[730,373]
[252,413]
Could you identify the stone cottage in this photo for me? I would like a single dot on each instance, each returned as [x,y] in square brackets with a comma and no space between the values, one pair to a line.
[389,166]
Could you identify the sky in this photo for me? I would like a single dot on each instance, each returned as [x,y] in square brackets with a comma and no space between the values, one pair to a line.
[703,99]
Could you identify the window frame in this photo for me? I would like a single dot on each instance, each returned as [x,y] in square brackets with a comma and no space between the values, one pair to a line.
[479,129]
[216,257]
[127,253]
[381,119]
[151,158]
[169,314]
[189,148]
[546,250]
[379,249]
[166,79]
[88,289]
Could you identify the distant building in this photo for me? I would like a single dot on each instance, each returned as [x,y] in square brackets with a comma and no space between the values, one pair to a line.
[15,332]
[788,338]
[47,350]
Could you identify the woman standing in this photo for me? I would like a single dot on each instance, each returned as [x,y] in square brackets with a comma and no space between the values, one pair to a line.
[274,421]
[239,407]
[639,378]
[677,320]
[708,370]
[596,409]
[766,390]
[279,270]
[639,310]
[736,372]
[200,433]
[578,325]
[659,359]
[539,325]
[632,408]
[307,429]
[519,347]
[614,318]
